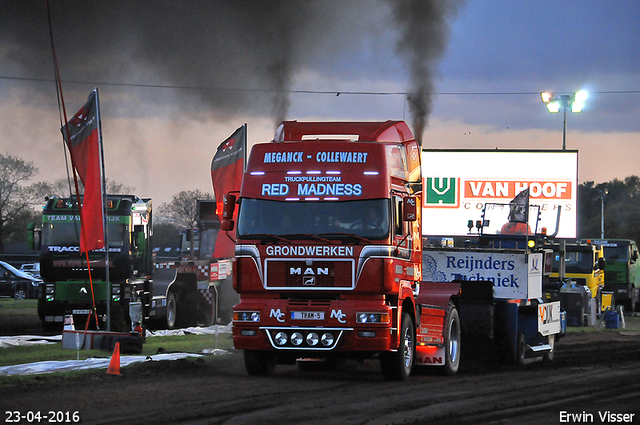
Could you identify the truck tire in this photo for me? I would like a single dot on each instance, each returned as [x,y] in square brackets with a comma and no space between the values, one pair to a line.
[206,319]
[452,341]
[172,310]
[396,366]
[630,304]
[259,363]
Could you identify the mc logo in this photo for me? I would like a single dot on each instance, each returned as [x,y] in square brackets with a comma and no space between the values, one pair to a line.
[277,314]
[339,315]
[441,192]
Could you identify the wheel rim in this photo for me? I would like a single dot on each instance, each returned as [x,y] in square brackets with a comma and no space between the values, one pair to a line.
[454,340]
[408,349]
[171,313]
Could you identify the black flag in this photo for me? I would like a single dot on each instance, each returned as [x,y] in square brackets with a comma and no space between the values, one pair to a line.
[519,205]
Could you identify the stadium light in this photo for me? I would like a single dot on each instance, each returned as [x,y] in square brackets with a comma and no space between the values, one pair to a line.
[555,102]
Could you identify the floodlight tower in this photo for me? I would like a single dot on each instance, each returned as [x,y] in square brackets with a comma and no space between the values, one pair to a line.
[555,102]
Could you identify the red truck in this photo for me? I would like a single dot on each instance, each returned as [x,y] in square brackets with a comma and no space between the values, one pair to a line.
[329,255]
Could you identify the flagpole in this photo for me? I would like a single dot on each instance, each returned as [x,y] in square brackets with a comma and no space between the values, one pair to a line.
[104,213]
[244,162]
[67,140]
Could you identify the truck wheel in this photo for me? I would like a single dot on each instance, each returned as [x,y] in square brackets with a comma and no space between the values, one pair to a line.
[206,319]
[630,304]
[396,366]
[259,363]
[452,340]
[172,310]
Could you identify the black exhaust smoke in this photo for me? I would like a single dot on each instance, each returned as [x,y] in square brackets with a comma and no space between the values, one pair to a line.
[424,33]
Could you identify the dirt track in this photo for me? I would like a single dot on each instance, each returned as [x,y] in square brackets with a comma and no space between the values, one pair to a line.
[592,372]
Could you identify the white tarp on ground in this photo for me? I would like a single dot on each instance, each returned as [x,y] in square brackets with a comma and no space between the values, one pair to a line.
[96,363]
[211,330]
[91,363]
[24,340]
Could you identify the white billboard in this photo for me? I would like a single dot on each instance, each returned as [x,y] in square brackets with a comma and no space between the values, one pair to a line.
[514,275]
[457,184]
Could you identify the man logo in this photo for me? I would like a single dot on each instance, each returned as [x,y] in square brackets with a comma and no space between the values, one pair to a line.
[309,280]
[442,192]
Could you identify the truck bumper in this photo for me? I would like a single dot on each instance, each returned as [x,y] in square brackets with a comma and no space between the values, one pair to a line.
[54,311]
[312,339]
[332,328]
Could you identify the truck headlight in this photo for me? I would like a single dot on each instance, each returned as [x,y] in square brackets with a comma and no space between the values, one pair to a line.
[115,292]
[313,338]
[246,316]
[372,317]
[49,291]
[281,338]
[327,339]
[296,338]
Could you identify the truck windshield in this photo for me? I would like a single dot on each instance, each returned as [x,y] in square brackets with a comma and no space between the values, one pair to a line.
[575,262]
[67,234]
[366,219]
[616,253]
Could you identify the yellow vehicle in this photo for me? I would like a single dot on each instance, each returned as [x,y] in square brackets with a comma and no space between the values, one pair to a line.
[584,264]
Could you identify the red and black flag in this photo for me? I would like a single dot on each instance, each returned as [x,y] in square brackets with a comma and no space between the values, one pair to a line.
[227,168]
[81,133]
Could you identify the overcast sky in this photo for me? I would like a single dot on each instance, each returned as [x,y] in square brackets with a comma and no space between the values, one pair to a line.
[177,77]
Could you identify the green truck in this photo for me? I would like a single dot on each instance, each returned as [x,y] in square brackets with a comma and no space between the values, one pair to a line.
[168,297]
[622,271]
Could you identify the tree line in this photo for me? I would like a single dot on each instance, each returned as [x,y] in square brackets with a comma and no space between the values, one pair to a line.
[19,202]
[621,200]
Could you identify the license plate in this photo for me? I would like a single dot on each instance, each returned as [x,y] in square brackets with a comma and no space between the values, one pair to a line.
[307,315]
[81,311]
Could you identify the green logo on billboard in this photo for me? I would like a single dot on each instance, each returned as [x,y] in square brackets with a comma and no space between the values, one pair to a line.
[441,191]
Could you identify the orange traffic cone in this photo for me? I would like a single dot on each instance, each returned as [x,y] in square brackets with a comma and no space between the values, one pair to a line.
[114,364]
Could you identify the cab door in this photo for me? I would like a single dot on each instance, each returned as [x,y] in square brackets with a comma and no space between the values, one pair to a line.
[402,238]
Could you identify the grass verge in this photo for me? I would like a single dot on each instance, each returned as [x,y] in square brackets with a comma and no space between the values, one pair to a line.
[55,352]
[12,306]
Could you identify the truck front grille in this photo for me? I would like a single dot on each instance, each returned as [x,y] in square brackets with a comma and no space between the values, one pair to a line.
[309,274]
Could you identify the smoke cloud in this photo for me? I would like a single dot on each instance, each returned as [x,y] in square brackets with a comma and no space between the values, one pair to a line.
[230,57]
[423,39]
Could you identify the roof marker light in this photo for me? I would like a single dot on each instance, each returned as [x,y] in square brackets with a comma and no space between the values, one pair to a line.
[370,173]
[332,199]
[311,199]
[294,172]
[291,199]
[333,172]
[257,173]
[314,172]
